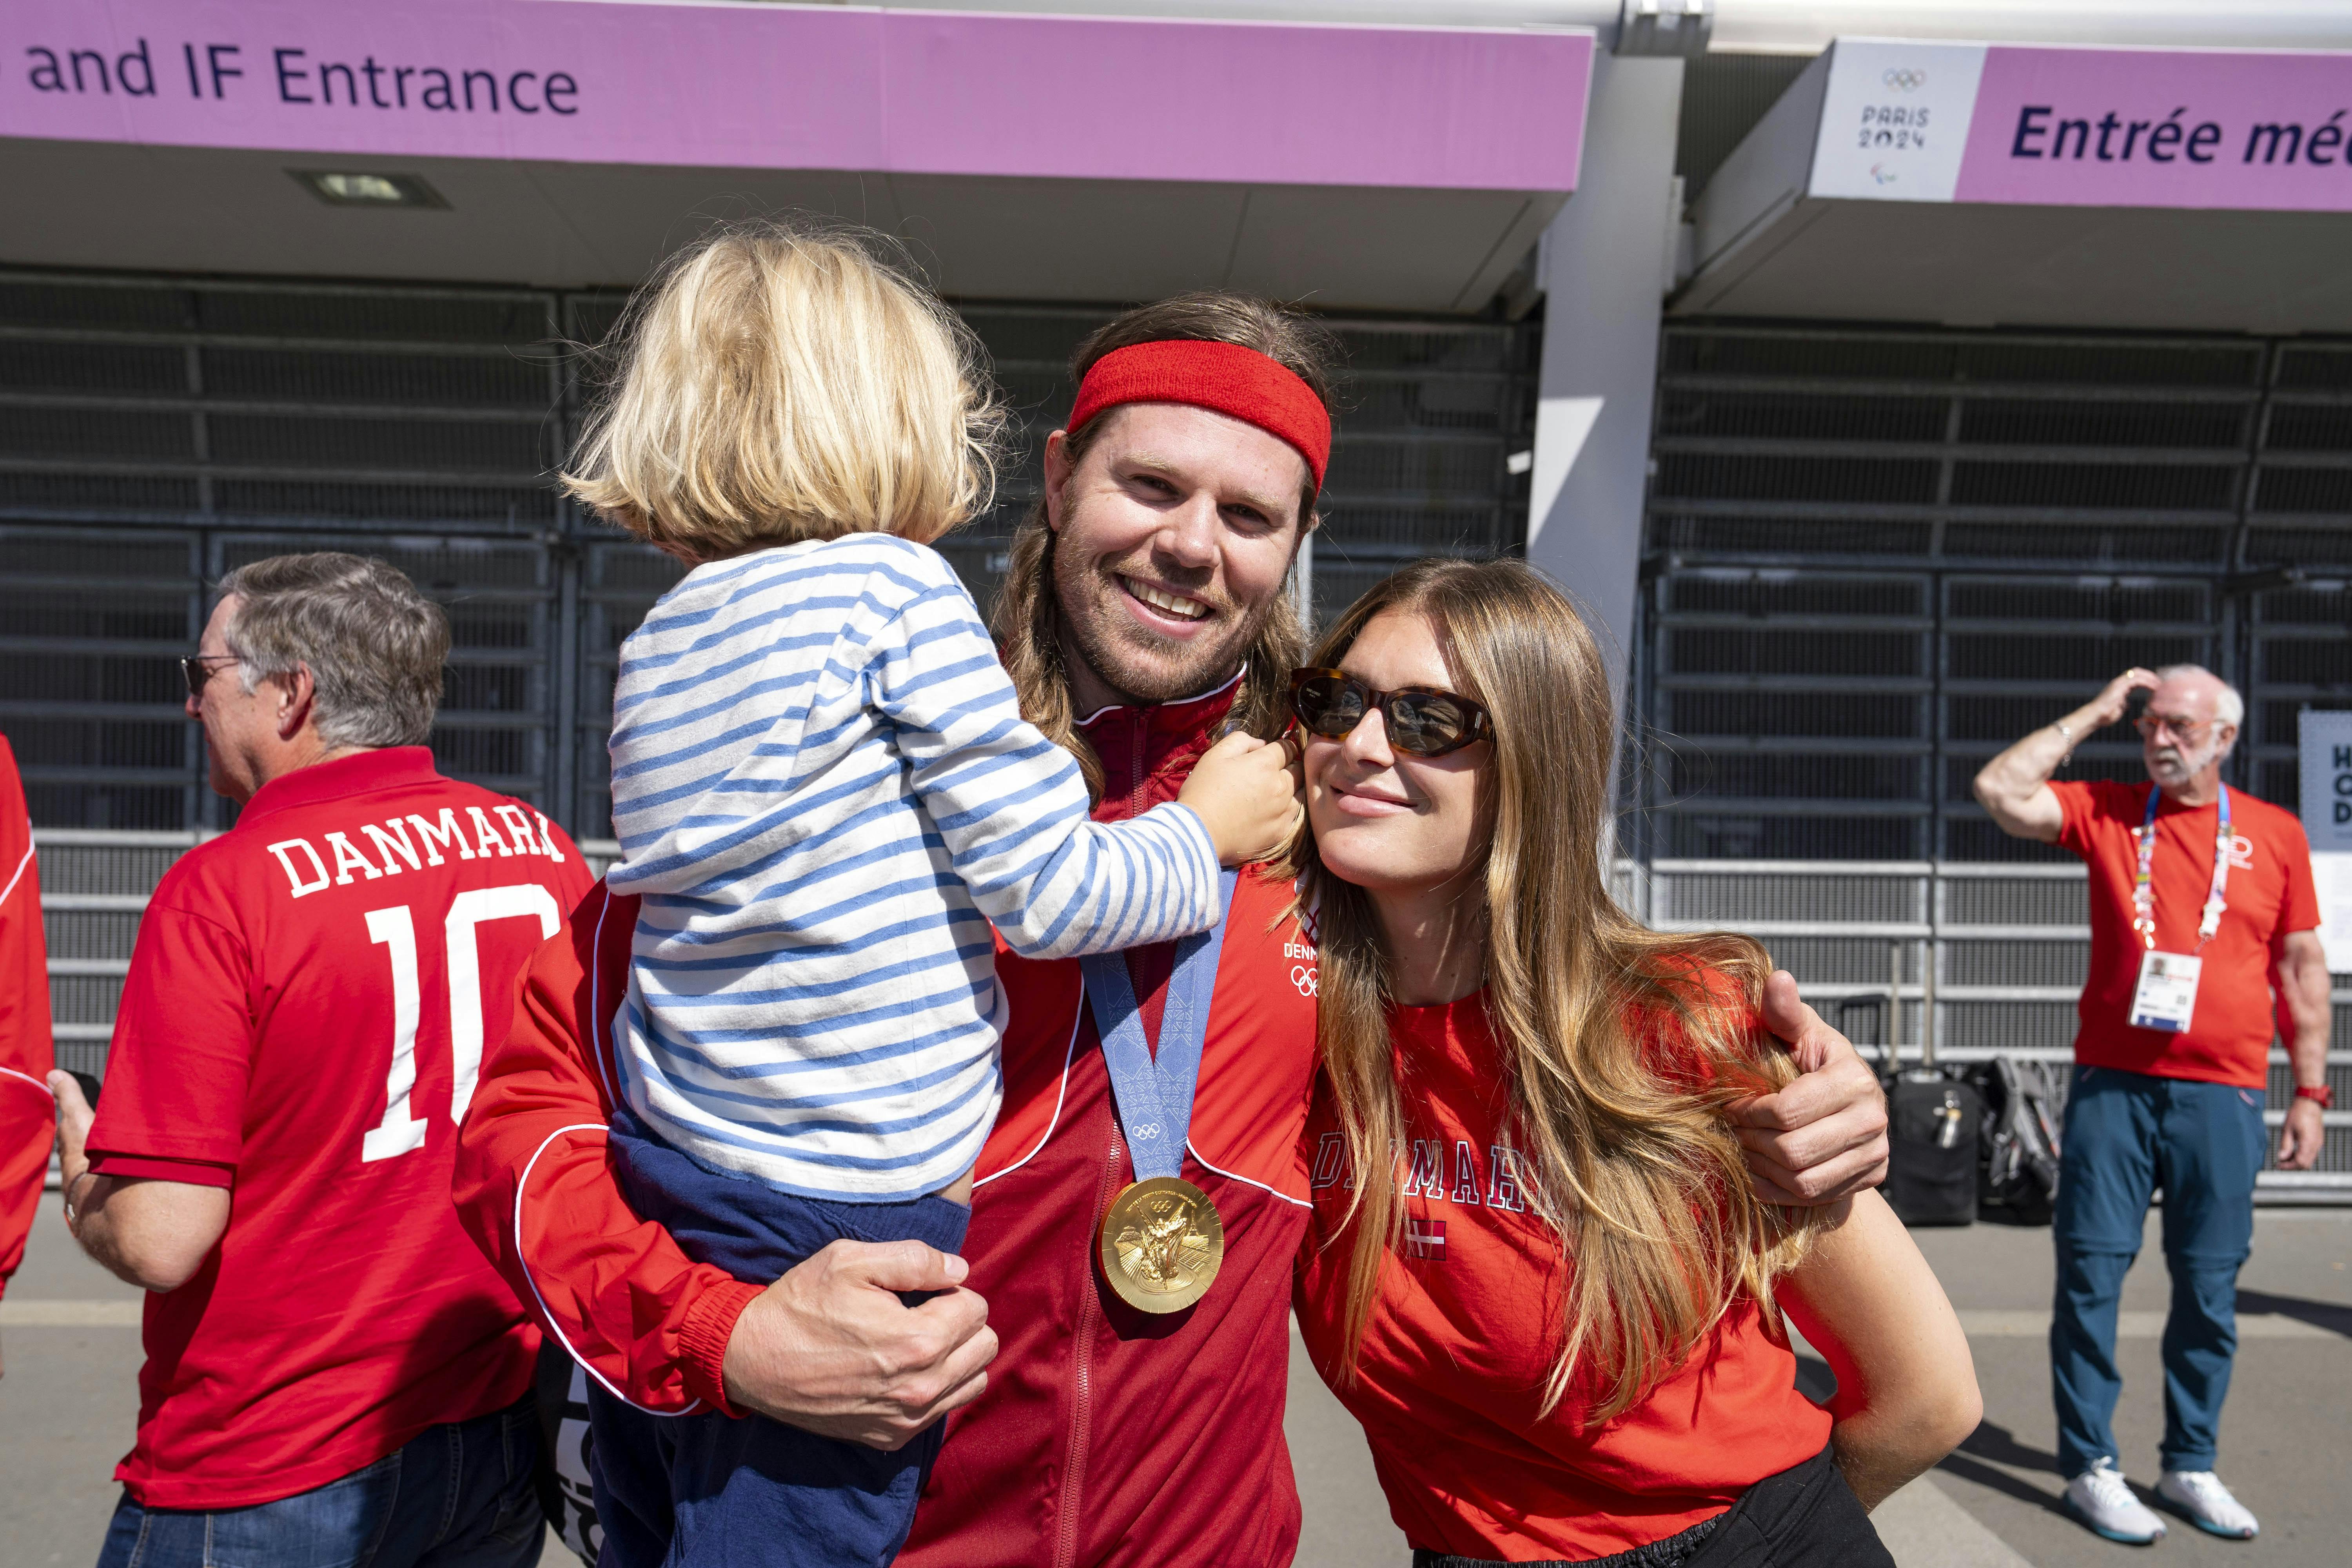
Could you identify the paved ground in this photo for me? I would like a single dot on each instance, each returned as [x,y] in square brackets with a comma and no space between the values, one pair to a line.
[68,1401]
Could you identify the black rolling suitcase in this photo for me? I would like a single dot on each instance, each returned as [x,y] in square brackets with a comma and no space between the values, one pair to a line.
[1933,1122]
[1932,1131]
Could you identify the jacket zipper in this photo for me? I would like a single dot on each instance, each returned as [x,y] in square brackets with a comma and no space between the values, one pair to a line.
[1074,1464]
[1135,772]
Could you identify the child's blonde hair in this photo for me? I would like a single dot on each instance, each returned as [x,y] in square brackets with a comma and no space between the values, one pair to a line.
[783,381]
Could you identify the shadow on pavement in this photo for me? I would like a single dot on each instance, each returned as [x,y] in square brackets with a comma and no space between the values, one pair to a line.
[1989,1446]
[2333,1317]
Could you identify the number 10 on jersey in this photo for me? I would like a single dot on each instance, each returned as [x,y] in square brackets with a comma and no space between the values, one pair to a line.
[395,930]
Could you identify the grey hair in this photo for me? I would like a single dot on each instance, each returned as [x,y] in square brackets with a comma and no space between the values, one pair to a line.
[2230,707]
[372,643]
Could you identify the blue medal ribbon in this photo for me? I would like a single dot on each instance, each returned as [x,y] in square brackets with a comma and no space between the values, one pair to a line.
[1154,1097]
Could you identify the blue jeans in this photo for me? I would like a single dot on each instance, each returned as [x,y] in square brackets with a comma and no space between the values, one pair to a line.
[709,1491]
[459,1496]
[2129,1135]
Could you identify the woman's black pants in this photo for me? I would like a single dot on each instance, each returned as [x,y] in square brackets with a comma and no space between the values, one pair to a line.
[1805,1517]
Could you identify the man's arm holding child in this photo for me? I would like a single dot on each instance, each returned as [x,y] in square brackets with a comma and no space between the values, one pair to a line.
[828,1347]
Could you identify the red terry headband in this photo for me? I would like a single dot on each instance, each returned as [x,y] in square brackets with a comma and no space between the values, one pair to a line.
[1225,377]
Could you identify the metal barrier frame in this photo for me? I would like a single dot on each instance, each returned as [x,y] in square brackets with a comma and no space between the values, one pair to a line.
[1922,998]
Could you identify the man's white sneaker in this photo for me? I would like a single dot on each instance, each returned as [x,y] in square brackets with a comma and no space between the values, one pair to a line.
[2101,1499]
[2200,1495]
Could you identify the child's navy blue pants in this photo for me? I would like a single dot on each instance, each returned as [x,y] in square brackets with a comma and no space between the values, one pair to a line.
[709,1491]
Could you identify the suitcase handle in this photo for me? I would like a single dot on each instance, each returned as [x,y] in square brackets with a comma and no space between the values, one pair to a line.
[1881,1015]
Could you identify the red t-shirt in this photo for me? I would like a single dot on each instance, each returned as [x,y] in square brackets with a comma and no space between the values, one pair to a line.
[2270,896]
[303,1021]
[1457,1354]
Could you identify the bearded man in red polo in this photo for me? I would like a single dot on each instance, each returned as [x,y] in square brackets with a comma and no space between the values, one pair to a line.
[1143,615]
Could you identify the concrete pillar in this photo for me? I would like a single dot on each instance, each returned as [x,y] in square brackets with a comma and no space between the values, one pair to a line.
[1605,265]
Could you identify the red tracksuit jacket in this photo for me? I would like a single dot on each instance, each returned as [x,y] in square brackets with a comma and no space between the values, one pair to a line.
[1106,1437]
[29,1115]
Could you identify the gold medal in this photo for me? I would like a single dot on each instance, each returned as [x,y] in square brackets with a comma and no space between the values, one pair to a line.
[1162,1242]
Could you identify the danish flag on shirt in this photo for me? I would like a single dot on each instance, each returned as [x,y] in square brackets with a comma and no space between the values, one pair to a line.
[1424,1240]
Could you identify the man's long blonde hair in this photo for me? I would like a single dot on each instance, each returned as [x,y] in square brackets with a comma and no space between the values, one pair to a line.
[1621,1045]
[789,380]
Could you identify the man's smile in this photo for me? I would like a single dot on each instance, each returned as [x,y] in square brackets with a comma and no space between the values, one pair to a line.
[1167,601]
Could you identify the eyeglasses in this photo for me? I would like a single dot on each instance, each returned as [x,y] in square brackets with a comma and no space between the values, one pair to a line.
[199,669]
[2151,725]
[1422,720]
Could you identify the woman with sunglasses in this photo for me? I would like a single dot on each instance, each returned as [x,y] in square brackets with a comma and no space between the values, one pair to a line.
[1540,1274]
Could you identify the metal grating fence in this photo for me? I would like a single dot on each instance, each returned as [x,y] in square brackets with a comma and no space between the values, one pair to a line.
[1983,959]
[157,432]
[1875,558]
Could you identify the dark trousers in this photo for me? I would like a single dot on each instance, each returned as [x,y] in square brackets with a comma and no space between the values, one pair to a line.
[2129,1135]
[709,1491]
[1805,1517]
[459,1496]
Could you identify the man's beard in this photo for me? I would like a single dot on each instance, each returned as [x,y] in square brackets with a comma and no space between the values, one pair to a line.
[1129,658]
[2172,765]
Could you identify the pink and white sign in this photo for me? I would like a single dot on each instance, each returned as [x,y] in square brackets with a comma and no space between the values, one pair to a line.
[2083,127]
[808,87]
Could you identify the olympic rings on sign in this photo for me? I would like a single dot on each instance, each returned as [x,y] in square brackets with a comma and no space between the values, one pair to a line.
[1903,79]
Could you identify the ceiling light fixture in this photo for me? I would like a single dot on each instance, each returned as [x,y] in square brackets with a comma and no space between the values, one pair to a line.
[354,189]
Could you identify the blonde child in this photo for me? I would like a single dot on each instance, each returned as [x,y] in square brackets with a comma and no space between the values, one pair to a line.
[825,794]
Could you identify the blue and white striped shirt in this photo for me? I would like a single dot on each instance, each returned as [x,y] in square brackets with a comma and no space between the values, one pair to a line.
[822,784]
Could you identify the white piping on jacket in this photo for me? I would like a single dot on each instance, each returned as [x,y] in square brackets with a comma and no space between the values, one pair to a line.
[16,875]
[1195,1150]
[523,1258]
[28,1077]
[1069,1052]
[1173,702]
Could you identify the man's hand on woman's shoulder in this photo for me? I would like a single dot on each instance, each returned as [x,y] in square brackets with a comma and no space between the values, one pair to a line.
[831,1349]
[1823,1138]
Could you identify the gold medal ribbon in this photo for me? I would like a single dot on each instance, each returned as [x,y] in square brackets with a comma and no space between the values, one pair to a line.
[1162,1238]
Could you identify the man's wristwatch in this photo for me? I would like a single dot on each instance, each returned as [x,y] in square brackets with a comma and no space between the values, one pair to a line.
[2321,1093]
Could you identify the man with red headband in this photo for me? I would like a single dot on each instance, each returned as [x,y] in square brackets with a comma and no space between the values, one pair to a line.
[1143,614]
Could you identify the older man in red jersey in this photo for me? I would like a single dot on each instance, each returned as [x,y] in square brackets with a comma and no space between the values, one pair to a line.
[332,1375]
[1143,614]
[27,1112]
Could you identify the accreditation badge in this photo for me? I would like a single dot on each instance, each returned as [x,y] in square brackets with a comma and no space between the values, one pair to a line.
[1162,1242]
[2167,997]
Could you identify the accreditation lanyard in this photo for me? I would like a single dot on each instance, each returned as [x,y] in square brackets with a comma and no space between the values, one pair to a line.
[2144,889]
[1154,1096]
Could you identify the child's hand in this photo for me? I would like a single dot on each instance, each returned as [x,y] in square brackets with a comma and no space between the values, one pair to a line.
[1246,791]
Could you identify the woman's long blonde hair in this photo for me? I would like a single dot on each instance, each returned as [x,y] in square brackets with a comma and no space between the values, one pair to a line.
[785,380]
[1623,1044]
